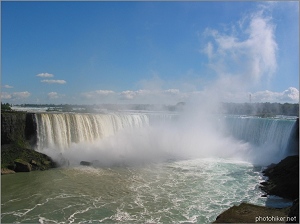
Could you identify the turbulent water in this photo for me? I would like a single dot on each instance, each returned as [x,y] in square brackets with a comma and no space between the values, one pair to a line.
[184,191]
[147,168]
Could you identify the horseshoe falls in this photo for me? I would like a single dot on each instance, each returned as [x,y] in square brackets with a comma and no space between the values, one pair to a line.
[145,167]
[129,135]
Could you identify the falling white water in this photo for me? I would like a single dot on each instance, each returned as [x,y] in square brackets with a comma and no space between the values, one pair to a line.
[62,129]
[119,138]
[268,136]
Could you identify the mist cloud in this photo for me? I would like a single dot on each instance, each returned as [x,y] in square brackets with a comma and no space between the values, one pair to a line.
[249,54]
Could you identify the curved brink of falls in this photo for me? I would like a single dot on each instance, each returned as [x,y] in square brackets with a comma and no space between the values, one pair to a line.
[137,137]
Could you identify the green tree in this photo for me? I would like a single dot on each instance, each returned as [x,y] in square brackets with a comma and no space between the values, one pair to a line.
[5,107]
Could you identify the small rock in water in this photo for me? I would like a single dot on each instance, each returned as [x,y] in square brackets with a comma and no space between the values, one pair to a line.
[85,163]
[22,166]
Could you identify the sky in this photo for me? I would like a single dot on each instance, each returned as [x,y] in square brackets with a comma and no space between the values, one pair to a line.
[149,52]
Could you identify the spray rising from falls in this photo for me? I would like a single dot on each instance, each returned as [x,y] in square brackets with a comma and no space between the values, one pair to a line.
[140,137]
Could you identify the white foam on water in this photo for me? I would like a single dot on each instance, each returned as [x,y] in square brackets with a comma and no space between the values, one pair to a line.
[191,191]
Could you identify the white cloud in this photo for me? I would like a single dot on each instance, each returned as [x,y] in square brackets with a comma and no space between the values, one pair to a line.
[54,81]
[45,75]
[291,95]
[172,91]
[173,96]
[15,95]
[53,95]
[147,96]
[20,95]
[104,92]
[169,96]
[5,95]
[8,86]
[128,95]
[97,93]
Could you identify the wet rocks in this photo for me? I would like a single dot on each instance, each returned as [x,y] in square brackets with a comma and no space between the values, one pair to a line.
[85,163]
[248,213]
[283,178]
[18,159]
[22,166]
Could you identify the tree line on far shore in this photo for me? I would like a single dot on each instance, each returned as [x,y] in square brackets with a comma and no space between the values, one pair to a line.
[256,109]
[261,109]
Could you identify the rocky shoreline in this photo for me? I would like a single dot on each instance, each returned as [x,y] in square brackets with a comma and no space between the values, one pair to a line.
[19,159]
[283,181]
[283,178]
[18,137]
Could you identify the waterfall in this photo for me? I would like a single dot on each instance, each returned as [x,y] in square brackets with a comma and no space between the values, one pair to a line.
[259,140]
[60,130]
[267,134]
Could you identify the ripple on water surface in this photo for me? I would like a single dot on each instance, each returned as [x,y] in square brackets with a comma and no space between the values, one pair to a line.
[194,191]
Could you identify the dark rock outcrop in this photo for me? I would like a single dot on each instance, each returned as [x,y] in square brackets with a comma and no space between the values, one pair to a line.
[21,159]
[18,138]
[283,178]
[248,213]
[283,181]
[22,166]
[294,212]
[85,163]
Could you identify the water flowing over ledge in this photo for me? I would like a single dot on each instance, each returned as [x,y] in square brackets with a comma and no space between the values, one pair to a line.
[60,130]
[262,140]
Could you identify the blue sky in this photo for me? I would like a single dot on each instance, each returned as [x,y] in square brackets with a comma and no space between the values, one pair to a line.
[149,52]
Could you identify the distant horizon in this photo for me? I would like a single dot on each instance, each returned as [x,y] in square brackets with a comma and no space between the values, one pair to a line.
[124,104]
[149,52]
